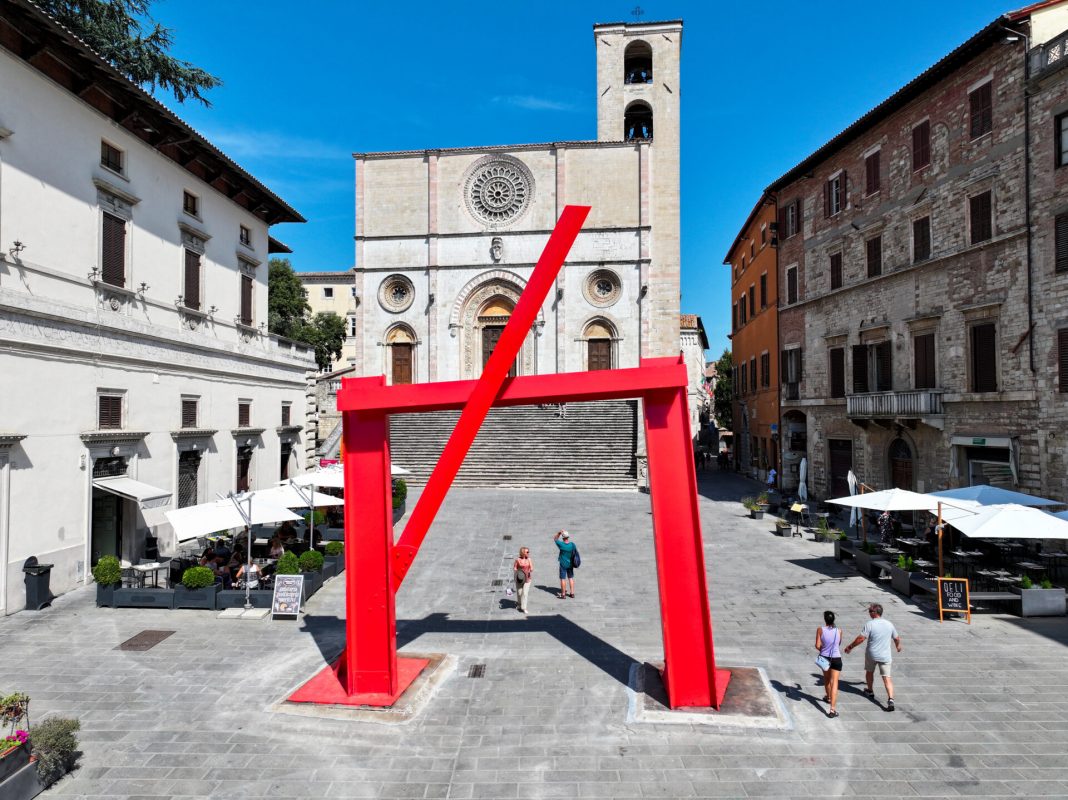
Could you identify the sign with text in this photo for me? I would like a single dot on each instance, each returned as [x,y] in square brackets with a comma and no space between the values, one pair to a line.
[953,598]
[288,593]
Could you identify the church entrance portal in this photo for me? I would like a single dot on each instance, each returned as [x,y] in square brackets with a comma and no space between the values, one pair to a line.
[491,334]
[402,363]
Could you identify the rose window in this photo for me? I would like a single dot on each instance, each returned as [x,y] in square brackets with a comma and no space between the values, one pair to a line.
[498,189]
[396,293]
[602,288]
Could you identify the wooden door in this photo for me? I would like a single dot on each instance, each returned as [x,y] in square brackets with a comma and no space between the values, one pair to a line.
[841,458]
[402,363]
[491,334]
[600,354]
[900,465]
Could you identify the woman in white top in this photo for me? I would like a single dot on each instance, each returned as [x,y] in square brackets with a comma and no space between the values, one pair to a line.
[254,574]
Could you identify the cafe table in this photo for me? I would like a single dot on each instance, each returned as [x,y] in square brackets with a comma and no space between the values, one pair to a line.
[1054,558]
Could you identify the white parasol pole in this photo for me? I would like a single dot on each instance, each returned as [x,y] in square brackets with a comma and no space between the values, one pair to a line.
[941,573]
[247,519]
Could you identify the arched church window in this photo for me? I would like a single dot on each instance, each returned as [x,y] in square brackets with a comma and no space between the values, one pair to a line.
[638,122]
[638,63]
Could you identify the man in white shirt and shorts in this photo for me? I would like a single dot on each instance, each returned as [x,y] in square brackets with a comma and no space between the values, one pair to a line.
[879,633]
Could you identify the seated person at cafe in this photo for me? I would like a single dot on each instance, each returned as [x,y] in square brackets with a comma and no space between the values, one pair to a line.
[207,558]
[222,571]
[253,573]
[287,531]
[276,547]
[222,550]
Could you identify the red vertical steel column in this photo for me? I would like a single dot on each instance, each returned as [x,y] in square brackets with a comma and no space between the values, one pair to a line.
[369,665]
[690,674]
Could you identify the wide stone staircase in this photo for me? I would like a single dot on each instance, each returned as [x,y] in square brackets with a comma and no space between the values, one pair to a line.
[579,445]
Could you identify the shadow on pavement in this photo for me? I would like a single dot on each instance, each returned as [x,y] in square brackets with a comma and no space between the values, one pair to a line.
[715,484]
[824,565]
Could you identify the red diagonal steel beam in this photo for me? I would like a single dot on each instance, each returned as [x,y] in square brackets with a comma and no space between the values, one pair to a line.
[487,387]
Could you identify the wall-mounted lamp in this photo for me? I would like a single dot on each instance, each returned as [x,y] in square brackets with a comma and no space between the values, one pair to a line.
[144,287]
[263,327]
[180,301]
[17,248]
[212,310]
[560,293]
[94,274]
[356,300]
[430,298]
[644,290]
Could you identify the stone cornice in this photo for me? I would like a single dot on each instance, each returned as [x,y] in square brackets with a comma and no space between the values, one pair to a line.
[9,440]
[289,428]
[110,188]
[194,433]
[236,432]
[95,437]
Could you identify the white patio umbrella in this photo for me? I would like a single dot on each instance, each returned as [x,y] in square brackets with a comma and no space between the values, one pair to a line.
[334,477]
[802,488]
[289,496]
[986,495]
[1061,515]
[854,514]
[1012,521]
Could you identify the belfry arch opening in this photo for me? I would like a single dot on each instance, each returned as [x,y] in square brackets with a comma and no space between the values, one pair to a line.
[638,63]
[638,122]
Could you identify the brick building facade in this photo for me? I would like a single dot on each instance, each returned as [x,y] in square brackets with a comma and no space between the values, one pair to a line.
[918,318]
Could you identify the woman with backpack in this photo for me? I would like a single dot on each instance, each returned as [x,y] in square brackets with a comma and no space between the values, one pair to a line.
[568,561]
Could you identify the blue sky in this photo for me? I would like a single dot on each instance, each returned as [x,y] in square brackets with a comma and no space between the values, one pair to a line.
[763,85]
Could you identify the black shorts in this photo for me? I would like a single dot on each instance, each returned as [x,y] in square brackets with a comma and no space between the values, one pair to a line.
[836,664]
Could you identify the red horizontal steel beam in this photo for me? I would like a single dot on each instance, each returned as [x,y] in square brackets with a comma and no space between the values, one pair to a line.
[368,395]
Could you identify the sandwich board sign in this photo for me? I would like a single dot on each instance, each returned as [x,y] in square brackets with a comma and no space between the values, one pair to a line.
[953,598]
[288,594]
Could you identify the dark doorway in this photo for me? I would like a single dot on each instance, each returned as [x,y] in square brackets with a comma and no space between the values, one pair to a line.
[244,468]
[841,458]
[600,354]
[900,465]
[107,525]
[402,363]
[491,334]
[283,470]
[188,478]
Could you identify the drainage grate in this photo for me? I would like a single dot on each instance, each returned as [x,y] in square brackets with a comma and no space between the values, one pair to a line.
[497,582]
[477,671]
[507,537]
[145,640]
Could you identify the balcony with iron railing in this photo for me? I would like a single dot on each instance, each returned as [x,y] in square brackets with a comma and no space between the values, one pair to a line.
[908,404]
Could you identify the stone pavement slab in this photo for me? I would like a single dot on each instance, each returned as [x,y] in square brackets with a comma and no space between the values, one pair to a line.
[982,709]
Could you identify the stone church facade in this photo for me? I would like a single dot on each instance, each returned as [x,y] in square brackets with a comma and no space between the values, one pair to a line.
[446,239]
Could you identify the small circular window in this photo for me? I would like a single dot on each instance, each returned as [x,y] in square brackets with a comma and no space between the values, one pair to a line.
[396,293]
[602,288]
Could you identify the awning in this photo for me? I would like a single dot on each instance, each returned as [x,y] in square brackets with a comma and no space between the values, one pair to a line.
[144,495]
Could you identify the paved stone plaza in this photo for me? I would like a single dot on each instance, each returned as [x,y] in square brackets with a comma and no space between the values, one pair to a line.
[982,710]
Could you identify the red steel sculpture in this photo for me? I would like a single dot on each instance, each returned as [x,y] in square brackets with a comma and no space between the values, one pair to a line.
[369,672]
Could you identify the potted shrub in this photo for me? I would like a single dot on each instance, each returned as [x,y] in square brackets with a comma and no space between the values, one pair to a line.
[842,546]
[311,564]
[824,531]
[55,745]
[400,496]
[1045,600]
[762,501]
[335,553]
[756,511]
[108,574]
[197,589]
[901,575]
[863,557]
[287,564]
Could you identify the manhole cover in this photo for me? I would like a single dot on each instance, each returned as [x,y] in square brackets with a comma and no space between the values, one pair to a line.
[476,671]
[145,640]
[507,537]
[497,582]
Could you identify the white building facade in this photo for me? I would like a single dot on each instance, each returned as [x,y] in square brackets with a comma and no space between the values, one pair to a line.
[133,304]
[447,239]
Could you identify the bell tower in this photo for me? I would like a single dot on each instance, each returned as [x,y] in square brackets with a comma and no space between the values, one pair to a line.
[638,99]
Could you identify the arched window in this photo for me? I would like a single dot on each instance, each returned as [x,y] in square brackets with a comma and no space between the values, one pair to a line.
[638,122]
[598,335]
[401,343]
[900,464]
[638,63]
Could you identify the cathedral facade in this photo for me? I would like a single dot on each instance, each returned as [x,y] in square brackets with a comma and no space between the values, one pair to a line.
[446,239]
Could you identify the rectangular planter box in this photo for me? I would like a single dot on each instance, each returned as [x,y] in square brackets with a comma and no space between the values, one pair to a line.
[144,598]
[1041,602]
[844,548]
[399,511]
[901,580]
[337,561]
[329,570]
[105,595]
[313,582]
[863,561]
[12,761]
[235,598]
[756,515]
[334,535]
[196,598]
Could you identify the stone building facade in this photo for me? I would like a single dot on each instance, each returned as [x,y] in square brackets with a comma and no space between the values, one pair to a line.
[693,342]
[138,375]
[334,292]
[446,239]
[755,345]
[907,319]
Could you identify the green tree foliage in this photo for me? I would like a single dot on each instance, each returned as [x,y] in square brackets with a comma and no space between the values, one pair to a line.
[288,315]
[126,36]
[724,396]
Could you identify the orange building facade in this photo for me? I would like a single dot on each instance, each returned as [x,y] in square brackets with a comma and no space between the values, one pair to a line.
[755,341]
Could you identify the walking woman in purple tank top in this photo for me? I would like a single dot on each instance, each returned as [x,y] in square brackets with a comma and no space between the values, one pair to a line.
[828,641]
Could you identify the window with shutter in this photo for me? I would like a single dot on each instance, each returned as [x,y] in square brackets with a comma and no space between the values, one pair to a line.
[875,256]
[286,413]
[871,173]
[860,368]
[765,370]
[1061,243]
[837,370]
[884,372]
[921,239]
[1060,140]
[1062,359]
[113,250]
[734,317]
[744,382]
[246,299]
[111,157]
[984,357]
[752,374]
[752,300]
[244,415]
[921,145]
[244,468]
[189,413]
[836,271]
[764,291]
[109,411]
[191,297]
[981,101]
[924,361]
[791,285]
[834,195]
[981,217]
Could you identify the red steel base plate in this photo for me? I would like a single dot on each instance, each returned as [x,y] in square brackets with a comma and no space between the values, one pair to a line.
[326,689]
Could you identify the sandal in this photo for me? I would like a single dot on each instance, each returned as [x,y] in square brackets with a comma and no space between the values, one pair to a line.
[561,596]
[826,699]
[572,595]
[832,714]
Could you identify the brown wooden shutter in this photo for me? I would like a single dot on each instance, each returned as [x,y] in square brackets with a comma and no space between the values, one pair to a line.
[797,216]
[924,361]
[113,251]
[921,145]
[1061,236]
[189,413]
[1062,359]
[837,372]
[836,270]
[921,239]
[827,199]
[791,286]
[871,173]
[875,256]
[752,301]
[860,368]
[981,103]
[982,224]
[109,408]
[782,231]
[246,299]
[192,280]
[763,291]
[843,191]
[244,415]
[884,372]
[984,358]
